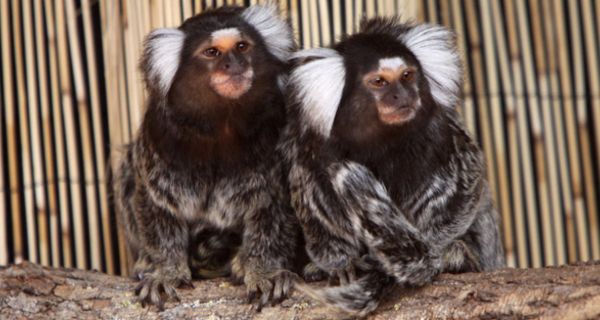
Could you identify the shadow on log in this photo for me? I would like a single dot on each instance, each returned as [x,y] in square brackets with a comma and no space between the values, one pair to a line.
[29,291]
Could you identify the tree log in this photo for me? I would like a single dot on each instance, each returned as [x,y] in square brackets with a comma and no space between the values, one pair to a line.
[29,291]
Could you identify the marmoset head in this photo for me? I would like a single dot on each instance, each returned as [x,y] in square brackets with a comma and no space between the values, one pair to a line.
[217,56]
[385,83]
[386,77]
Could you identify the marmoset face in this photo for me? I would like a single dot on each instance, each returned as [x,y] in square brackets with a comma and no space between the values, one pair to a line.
[393,87]
[227,57]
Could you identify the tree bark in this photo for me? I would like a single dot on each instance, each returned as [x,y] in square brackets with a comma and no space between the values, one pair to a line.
[29,291]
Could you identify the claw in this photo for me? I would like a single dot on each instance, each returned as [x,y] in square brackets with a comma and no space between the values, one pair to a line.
[252,293]
[264,299]
[143,291]
[160,304]
[138,288]
[188,284]
[172,293]
[257,307]
[159,287]
[342,276]
[313,273]
[278,291]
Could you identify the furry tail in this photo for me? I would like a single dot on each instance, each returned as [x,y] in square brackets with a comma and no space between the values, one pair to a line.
[358,298]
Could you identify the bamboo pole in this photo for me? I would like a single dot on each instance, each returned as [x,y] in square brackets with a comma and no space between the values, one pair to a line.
[70,122]
[524,137]
[3,192]
[445,12]
[132,38]
[187,9]
[497,123]
[90,181]
[337,21]
[390,8]
[413,10]
[49,158]
[306,35]
[324,22]
[157,17]
[421,11]
[595,90]
[166,9]
[62,178]
[121,70]
[145,24]
[98,136]
[432,11]
[571,126]
[349,15]
[177,18]
[111,40]
[504,56]
[548,160]
[284,10]
[294,20]
[559,128]
[467,108]
[481,91]
[593,55]
[582,131]
[358,14]
[314,24]
[538,135]
[379,7]
[24,131]
[10,113]
[37,158]
[370,8]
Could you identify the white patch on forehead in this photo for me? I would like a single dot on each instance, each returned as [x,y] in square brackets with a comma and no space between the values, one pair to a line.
[276,33]
[434,47]
[163,51]
[226,33]
[318,86]
[391,63]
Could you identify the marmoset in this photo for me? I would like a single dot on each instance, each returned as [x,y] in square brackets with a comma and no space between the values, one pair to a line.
[388,185]
[202,176]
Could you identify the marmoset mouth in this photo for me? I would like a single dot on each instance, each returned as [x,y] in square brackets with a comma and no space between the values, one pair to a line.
[222,77]
[233,86]
[396,115]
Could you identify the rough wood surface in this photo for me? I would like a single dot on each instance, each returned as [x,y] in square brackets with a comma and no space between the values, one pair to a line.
[29,291]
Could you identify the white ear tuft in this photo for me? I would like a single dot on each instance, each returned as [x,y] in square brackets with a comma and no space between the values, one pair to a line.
[318,86]
[275,31]
[434,48]
[162,54]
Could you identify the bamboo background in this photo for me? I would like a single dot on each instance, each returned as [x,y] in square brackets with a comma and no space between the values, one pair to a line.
[71,95]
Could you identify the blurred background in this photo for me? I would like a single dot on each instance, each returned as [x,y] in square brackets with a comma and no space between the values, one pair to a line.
[71,96]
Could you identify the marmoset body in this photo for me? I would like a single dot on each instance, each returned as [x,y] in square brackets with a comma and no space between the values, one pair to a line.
[202,176]
[388,185]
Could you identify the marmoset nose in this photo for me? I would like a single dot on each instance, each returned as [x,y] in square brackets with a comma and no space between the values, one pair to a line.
[396,98]
[233,65]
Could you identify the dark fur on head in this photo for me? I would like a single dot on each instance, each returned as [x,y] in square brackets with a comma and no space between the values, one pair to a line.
[381,168]
[202,177]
